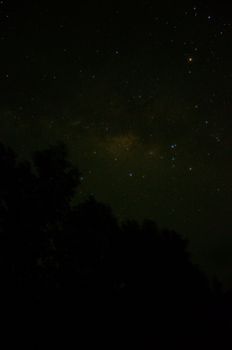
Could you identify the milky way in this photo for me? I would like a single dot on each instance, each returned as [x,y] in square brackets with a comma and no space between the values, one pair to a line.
[141,96]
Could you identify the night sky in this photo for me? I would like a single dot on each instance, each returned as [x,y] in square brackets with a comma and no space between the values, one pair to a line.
[141,94]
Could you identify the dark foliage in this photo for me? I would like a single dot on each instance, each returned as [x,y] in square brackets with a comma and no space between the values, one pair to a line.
[73,277]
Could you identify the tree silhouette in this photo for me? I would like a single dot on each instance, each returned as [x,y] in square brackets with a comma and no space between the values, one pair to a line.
[92,279]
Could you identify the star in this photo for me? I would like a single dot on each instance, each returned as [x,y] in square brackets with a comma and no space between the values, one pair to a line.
[145,106]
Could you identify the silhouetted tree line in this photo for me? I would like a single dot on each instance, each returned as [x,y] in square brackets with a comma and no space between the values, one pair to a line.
[81,279]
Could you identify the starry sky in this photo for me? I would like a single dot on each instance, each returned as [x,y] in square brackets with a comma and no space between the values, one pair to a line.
[141,94]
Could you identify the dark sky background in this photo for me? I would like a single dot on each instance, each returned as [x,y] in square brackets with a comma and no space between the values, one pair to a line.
[141,94]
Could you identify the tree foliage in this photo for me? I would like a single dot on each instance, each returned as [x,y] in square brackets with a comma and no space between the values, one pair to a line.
[88,278]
